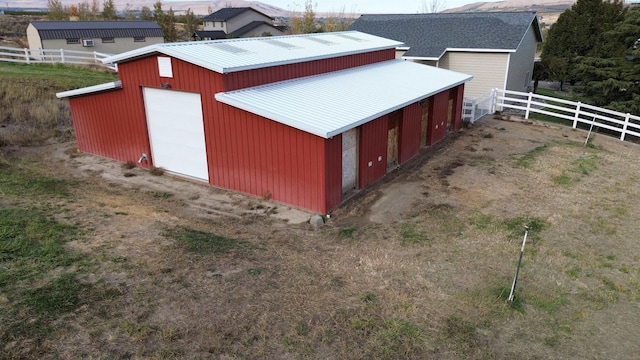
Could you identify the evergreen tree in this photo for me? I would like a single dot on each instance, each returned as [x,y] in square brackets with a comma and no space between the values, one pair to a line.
[580,31]
[170,32]
[109,10]
[612,79]
[146,14]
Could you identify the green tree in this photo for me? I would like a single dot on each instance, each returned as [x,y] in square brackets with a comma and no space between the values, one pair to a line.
[146,14]
[84,11]
[170,31]
[56,11]
[580,31]
[190,22]
[305,23]
[109,10]
[95,9]
[612,79]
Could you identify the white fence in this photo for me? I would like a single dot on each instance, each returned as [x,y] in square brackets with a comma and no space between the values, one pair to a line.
[576,112]
[50,56]
[475,108]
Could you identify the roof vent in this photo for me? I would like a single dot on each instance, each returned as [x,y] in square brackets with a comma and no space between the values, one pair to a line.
[230,48]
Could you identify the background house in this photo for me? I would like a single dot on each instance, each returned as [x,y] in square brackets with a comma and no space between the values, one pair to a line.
[237,22]
[110,37]
[497,48]
[300,119]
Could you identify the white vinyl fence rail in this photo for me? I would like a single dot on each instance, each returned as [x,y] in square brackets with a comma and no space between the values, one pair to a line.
[50,56]
[475,108]
[576,112]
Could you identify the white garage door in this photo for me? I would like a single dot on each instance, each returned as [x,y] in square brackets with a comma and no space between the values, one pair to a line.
[176,132]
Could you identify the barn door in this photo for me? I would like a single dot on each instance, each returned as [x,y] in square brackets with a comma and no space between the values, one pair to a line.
[349,160]
[176,132]
[392,139]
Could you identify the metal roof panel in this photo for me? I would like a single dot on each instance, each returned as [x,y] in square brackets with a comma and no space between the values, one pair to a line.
[261,52]
[329,104]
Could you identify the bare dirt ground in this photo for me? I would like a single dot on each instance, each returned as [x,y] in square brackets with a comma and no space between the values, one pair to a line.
[413,267]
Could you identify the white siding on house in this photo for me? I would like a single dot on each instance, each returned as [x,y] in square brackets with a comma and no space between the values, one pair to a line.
[33,38]
[119,45]
[243,19]
[521,63]
[488,70]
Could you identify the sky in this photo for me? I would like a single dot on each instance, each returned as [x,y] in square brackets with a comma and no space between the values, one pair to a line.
[368,6]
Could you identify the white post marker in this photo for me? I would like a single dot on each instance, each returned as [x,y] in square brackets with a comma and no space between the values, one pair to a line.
[515,279]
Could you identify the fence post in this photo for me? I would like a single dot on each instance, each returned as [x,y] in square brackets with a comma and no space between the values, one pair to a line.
[492,106]
[575,119]
[26,55]
[95,57]
[526,114]
[473,111]
[62,56]
[624,127]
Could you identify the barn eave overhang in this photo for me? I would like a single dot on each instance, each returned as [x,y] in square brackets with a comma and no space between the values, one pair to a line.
[90,89]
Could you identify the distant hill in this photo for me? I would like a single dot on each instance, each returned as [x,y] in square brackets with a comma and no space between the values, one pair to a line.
[198,7]
[517,5]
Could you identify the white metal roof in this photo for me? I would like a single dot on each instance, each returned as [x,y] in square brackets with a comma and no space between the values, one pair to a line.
[90,89]
[329,104]
[225,56]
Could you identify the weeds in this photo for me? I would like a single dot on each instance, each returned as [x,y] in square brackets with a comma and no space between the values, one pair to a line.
[411,236]
[526,160]
[31,247]
[203,242]
[27,96]
[22,182]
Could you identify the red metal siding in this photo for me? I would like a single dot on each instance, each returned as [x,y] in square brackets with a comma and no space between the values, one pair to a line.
[258,156]
[333,172]
[438,121]
[372,149]
[409,137]
[248,78]
[457,94]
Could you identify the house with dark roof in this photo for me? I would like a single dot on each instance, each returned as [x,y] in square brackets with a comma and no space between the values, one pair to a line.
[110,37]
[497,48]
[304,120]
[236,23]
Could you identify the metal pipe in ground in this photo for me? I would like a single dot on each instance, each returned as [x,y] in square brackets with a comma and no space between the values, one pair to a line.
[515,279]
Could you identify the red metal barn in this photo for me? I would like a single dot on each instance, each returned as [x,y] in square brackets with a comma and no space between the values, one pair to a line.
[301,119]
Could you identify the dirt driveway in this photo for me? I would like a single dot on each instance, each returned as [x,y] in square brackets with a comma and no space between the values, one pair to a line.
[413,267]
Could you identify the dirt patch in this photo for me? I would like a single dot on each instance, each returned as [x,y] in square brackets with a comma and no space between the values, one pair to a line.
[414,266]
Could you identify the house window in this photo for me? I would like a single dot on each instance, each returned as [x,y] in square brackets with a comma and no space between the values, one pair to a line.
[139,39]
[108,40]
[73,41]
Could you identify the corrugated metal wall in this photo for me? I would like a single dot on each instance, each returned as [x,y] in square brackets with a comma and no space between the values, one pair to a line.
[255,155]
[248,78]
[458,96]
[333,172]
[372,152]
[409,145]
[438,114]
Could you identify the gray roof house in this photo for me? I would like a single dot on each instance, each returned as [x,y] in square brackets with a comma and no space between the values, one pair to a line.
[497,48]
[237,22]
[110,37]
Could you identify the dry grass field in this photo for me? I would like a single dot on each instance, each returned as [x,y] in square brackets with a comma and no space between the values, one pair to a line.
[103,261]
